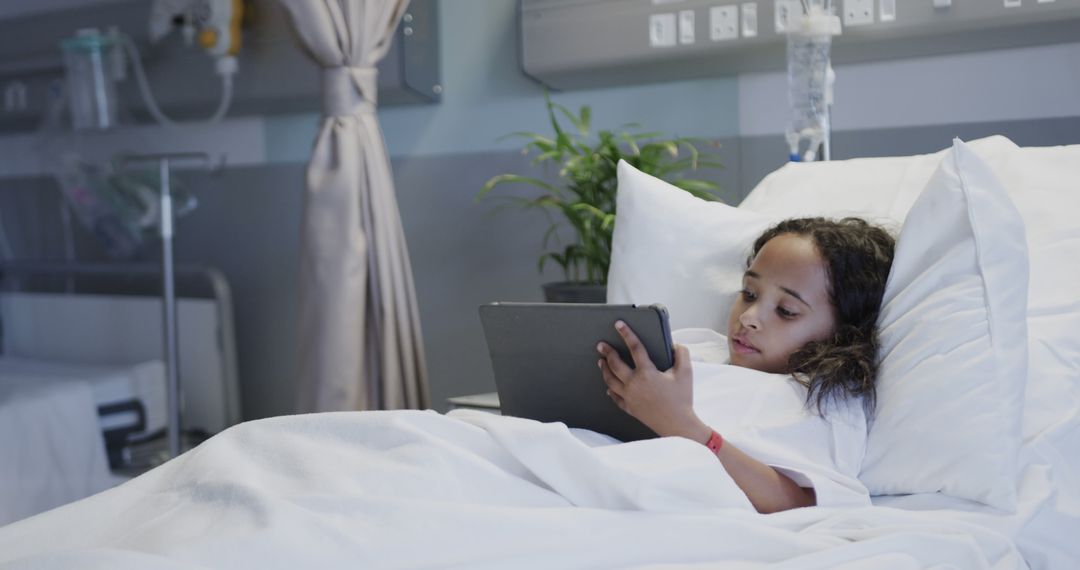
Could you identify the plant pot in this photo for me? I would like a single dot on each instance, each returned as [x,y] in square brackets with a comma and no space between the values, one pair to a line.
[575,292]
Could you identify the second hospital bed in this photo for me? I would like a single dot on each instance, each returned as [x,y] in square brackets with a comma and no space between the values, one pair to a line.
[80,370]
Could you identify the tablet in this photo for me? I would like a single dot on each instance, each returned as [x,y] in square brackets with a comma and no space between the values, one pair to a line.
[544,358]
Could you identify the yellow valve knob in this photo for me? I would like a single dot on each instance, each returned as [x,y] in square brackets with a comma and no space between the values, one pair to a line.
[208,38]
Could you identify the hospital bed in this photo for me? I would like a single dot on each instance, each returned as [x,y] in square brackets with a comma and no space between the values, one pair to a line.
[80,370]
[420,489]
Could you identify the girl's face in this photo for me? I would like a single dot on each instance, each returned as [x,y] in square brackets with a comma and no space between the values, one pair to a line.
[783,306]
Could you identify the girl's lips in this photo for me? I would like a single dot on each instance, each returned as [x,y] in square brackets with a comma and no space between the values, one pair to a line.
[741,347]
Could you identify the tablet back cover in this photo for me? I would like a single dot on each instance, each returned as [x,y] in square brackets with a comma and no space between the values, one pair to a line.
[544,358]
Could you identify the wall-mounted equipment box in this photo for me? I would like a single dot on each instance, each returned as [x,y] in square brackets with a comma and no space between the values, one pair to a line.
[568,44]
[274,75]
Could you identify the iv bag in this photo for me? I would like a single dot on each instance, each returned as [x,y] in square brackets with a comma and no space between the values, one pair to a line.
[120,208]
[809,48]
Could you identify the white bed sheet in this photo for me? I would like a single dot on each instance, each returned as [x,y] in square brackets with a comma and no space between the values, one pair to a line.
[109,383]
[51,449]
[1047,522]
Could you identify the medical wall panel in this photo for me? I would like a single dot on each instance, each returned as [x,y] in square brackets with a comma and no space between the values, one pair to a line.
[274,75]
[569,44]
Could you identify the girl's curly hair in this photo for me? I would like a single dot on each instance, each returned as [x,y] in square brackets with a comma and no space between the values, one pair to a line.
[858,256]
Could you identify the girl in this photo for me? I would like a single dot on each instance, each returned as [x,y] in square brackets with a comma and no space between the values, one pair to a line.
[809,305]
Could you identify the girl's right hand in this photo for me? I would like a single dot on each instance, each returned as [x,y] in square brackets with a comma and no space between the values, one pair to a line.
[662,400]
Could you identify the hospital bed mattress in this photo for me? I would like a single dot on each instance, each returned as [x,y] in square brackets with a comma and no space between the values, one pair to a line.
[130,399]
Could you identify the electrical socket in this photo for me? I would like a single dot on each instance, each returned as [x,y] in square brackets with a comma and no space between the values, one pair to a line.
[662,30]
[723,22]
[858,12]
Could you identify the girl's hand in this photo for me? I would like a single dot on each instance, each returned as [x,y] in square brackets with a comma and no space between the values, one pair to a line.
[664,401]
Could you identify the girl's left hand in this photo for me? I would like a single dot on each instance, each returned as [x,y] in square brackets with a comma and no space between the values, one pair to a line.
[662,400]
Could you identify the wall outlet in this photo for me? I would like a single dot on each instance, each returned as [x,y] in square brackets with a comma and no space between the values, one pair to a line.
[858,12]
[662,30]
[749,19]
[723,22]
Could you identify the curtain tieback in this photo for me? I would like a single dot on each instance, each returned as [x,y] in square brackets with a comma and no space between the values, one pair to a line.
[349,91]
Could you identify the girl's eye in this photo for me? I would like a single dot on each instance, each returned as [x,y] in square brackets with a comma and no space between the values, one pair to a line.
[784,313]
[748,296]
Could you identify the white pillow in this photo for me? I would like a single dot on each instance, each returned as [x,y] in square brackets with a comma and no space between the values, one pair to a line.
[878,189]
[1043,183]
[953,343]
[672,248]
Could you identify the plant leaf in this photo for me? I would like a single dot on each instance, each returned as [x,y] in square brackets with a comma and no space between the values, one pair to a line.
[510,178]
[632,142]
[574,120]
[693,153]
[582,206]
[551,116]
[566,143]
[609,222]
[541,144]
[547,155]
[640,136]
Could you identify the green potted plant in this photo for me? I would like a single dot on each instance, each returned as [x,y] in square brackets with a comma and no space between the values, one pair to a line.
[584,197]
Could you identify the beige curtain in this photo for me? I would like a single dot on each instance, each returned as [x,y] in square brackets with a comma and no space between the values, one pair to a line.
[360,345]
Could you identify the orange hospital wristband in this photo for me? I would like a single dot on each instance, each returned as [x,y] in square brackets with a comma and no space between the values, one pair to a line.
[715,442]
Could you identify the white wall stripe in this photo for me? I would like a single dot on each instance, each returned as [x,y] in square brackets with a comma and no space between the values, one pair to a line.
[242,142]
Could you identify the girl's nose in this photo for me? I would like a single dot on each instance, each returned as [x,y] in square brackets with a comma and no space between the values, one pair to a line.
[749,319]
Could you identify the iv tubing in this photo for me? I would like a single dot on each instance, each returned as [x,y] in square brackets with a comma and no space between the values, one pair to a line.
[226,67]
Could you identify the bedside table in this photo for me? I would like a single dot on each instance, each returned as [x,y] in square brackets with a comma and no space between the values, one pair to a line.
[487,402]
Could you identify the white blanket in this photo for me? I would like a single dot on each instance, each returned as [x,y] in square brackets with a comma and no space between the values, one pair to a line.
[418,489]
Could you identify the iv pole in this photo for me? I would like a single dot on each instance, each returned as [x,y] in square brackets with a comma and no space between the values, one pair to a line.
[165,227]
